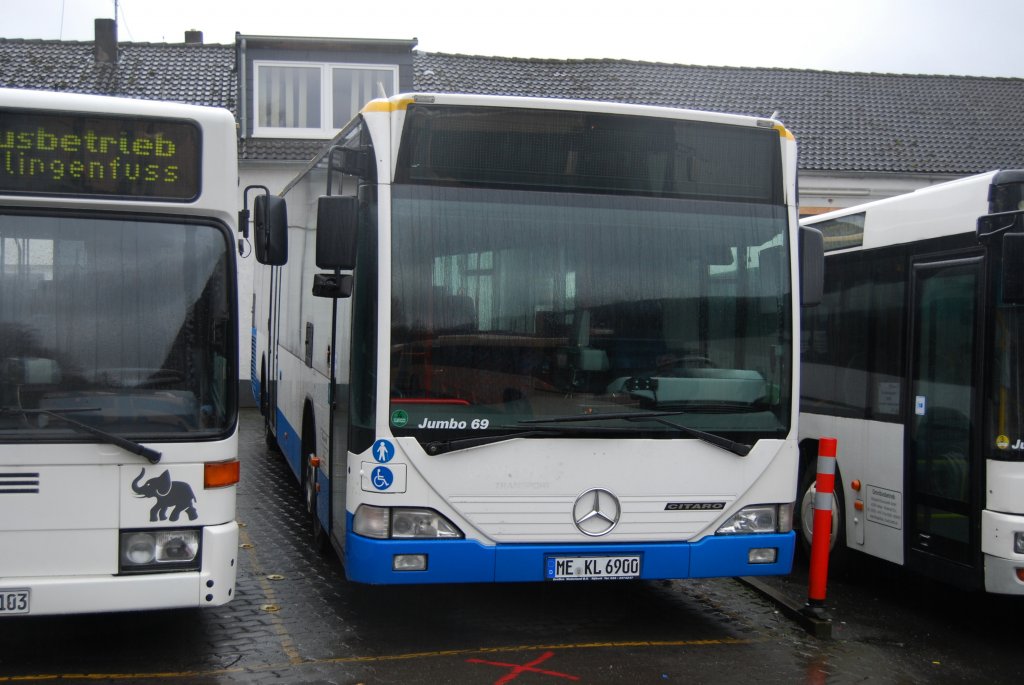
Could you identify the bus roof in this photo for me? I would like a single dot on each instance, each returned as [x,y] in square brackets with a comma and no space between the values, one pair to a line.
[943,209]
[403,100]
[105,104]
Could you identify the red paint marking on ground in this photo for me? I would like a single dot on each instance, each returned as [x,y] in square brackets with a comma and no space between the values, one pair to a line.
[518,669]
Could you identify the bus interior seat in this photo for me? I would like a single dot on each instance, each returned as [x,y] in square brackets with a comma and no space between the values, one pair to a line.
[454,313]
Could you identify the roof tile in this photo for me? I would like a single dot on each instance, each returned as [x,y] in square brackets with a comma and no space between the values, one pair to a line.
[843,121]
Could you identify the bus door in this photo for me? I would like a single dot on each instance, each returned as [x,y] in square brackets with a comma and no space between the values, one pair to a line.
[944,464]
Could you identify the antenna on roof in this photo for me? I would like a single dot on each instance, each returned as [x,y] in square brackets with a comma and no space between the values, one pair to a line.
[775,115]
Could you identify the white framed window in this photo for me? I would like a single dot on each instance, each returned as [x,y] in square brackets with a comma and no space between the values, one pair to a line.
[314,100]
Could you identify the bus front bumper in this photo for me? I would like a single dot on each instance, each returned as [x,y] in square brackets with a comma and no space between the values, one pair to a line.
[212,585]
[467,561]
[1004,565]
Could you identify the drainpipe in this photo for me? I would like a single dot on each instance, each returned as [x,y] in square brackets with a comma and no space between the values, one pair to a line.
[243,90]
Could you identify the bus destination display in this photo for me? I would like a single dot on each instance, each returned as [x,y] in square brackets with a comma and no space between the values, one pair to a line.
[45,153]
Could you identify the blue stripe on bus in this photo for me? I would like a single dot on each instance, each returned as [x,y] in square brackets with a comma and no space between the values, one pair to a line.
[290,443]
[467,561]
[291,447]
[323,508]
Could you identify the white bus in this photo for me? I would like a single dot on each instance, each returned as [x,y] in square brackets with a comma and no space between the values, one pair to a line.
[118,354]
[913,361]
[511,339]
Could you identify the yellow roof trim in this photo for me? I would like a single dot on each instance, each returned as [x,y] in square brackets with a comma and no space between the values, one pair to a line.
[784,132]
[387,105]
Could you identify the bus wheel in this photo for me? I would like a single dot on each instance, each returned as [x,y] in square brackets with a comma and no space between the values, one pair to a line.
[268,433]
[309,480]
[269,437]
[805,515]
[319,536]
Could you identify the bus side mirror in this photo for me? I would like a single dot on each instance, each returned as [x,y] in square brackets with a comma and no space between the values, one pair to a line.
[336,286]
[1013,268]
[270,230]
[337,218]
[993,224]
[812,266]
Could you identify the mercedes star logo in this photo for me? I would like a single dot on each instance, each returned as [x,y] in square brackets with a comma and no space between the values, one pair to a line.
[596,512]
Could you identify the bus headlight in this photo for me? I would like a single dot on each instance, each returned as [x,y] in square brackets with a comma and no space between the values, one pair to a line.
[150,551]
[405,523]
[762,518]
[1018,543]
[421,523]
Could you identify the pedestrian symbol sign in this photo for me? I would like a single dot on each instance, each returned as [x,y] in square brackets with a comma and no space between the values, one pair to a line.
[383,451]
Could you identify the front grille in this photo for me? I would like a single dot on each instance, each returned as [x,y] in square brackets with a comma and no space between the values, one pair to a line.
[19,483]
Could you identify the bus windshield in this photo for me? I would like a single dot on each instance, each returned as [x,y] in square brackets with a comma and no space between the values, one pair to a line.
[119,323]
[511,305]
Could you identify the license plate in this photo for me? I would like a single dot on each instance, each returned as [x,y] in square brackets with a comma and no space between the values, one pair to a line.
[14,601]
[593,568]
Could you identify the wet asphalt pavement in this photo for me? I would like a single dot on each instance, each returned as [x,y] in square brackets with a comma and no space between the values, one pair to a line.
[295,619]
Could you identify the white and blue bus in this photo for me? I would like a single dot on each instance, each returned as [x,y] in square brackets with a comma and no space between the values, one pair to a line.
[913,361]
[512,339]
[118,354]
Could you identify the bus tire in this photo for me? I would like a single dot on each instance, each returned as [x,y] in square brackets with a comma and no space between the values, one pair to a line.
[268,433]
[319,537]
[318,534]
[838,551]
[268,436]
[309,480]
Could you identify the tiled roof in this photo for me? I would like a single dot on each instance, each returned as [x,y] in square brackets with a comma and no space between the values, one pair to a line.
[844,122]
[277,149]
[197,74]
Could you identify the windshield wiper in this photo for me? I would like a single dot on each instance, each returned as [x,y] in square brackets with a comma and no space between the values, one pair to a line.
[737,448]
[712,407]
[441,446]
[543,427]
[135,448]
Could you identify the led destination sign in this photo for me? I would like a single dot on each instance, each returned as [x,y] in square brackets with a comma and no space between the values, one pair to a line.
[96,155]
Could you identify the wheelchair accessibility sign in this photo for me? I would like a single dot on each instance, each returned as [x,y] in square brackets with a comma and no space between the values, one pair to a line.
[382,478]
[378,478]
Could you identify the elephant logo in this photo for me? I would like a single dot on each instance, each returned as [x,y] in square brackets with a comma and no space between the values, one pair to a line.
[170,494]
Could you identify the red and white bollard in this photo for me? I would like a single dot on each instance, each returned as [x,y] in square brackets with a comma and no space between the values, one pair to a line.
[821,534]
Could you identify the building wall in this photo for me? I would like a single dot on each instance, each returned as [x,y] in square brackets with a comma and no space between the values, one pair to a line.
[273,175]
[822,191]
